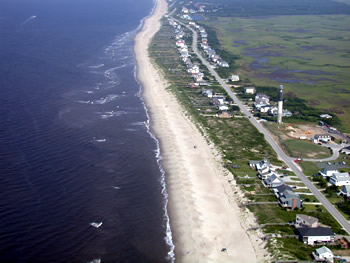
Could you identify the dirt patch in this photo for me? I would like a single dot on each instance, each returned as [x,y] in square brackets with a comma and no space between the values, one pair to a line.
[305,131]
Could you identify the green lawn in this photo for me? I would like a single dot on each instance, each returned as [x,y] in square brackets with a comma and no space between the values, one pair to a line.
[306,149]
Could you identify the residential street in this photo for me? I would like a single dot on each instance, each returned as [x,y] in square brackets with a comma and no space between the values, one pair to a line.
[289,161]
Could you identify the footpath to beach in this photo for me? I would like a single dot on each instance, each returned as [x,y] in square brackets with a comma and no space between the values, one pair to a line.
[203,214]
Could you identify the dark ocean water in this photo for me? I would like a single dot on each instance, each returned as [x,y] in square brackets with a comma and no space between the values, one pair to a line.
[75,147]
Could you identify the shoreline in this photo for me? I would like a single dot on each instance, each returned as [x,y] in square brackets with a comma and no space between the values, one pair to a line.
[203,209]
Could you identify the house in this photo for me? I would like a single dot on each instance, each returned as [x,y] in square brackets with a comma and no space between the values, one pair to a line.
[208,93]
[234,78]
[323,254]
[306,221]
[261,99]
[225,114]
[184,10]
[253,163]
[265,173]
[322,138]
[280,189]
[314,235]
[266,108]
[194,85]
[340,179]
[273,181]
[262,164]
[325,116]
[180,43]
[204,35]
[328,171]
[345,150]
[223,63]
[289,199]
[345,191]
[249,90]
[222,107]
[218,100]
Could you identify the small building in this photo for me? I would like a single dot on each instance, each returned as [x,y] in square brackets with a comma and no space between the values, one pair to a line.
[249,90]
[265,173]
[306,221]
[322,138]
[223,63]
[340,179]
[345,191]
[262,164]
[289,199]
[218,100]
[234,78]
[225,115]
[323,254]
[253,163]
[328,171]
[325,116]
[314,235]
[345,150]
[208,93]
[273,181]
[222,107]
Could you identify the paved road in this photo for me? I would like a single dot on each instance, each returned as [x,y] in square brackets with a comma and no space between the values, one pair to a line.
[331,209]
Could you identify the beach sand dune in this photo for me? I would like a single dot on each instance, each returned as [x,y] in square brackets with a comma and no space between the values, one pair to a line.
[204,216]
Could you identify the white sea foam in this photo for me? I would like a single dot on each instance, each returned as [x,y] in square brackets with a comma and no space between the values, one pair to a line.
[84,101]
[96,224]
[168,233]
[89,91]
[107,99]
[110,114]
[97,66]
[96,260]
[116,187]
[100,140]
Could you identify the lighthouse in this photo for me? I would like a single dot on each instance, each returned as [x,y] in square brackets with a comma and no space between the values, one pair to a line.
[280,104]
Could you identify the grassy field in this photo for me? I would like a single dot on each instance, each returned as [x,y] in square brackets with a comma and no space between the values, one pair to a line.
[306,149]
[309,55]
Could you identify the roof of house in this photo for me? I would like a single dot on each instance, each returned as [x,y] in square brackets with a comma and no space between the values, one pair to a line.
[346,188]
[315,231]
[330,168]
[254,162]
[323,250]
[322,135]
[309,219]
[283,187]
[340,176]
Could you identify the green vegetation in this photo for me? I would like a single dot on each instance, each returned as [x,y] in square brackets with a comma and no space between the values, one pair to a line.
[306,149]
[309,55]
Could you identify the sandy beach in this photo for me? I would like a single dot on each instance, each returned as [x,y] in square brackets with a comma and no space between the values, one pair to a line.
[204,214]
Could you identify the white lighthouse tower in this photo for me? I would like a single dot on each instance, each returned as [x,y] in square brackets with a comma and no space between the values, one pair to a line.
[280,104]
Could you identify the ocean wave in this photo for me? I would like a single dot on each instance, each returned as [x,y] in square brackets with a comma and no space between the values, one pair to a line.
[107,99]
[97,66]
[107,115]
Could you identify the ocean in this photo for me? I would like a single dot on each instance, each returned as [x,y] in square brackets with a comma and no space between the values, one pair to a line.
[80,172]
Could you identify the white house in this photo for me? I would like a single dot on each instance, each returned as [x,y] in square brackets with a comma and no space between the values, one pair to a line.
[249,90]
[345,150]
[273,181]
[222,107]
[345,191]
[326,116]
[340,179]
[208,93]
[223,64]
[323,253]
[315,235]
[322,138]
[234,78]
[180,43]
[328,171]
